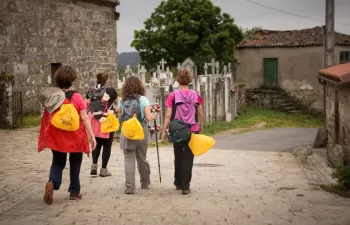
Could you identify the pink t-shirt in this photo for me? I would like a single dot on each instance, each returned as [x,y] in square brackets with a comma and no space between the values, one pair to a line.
[169,103]
[78,102]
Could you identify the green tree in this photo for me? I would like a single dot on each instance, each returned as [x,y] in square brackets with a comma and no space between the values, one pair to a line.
[178,29]
[248,33]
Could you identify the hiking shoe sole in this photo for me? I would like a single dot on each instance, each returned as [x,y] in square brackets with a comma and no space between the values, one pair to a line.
[74,196]
[186,191]
[48,196]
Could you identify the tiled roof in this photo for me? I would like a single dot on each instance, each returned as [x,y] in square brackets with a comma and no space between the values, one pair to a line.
[291,38]
[339,73]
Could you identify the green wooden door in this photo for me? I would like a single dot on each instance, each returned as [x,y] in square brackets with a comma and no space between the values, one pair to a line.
[270,72]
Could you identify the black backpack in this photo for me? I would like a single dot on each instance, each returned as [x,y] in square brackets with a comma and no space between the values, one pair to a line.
[97,107]
[179,131]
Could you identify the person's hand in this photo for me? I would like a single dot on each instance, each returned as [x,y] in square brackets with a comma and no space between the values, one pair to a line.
[201,128]
[88,101]
[164,136]
[155,115]
[93,143]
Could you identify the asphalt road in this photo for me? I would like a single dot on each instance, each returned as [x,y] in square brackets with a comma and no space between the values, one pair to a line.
[279,139]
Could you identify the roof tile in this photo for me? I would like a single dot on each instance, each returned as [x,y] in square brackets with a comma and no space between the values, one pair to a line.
[291,38]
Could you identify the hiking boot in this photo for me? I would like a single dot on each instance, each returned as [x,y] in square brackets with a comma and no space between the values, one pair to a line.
[48,196]
[129,191]
[75,196]
[104,172]
[94,170]
[186,191]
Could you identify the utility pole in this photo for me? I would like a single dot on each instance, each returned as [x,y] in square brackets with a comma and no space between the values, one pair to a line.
[329,54]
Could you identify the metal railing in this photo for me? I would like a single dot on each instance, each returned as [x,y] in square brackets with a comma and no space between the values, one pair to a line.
[17,108]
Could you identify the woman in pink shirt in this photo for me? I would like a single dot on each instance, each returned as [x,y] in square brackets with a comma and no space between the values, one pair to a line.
[185,105]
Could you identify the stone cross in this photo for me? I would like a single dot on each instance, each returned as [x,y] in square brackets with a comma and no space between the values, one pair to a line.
[217,66]
[212,64]
[143,74]
[229,68]
[225,70]
[163,62]
[205,68]
[128,69]
[158,68]
[138,68]
[178,66]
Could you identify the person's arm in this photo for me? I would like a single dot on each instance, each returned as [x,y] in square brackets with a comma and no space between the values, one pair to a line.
[86,121]
[148,115]
[167,118]
[200,117]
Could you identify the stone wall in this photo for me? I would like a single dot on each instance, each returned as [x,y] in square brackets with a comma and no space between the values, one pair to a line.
[240,97]
[37,36]
[338,127]
[6,84]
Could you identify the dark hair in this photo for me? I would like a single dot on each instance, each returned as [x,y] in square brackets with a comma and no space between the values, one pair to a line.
[183,77]
[102,78]
[65,76]
[132,87]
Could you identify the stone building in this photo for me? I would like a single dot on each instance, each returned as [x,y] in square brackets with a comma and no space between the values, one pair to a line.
[38,36]
[290,60]
[337,81]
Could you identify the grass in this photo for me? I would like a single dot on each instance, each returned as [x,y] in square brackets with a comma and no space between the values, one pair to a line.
[273,119]
[32,120]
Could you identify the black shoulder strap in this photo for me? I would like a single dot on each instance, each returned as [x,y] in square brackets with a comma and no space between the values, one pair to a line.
[69,94]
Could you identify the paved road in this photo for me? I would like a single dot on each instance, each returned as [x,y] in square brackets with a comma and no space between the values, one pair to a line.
[228,187]
[279,139]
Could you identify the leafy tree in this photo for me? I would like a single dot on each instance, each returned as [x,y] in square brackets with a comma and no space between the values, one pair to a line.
[178,29]
[248,33]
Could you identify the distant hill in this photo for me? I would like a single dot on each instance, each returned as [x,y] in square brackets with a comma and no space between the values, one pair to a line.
[128,58]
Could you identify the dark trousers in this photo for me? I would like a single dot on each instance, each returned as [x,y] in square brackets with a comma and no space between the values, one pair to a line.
[183,165]
[59,163]
[106,143]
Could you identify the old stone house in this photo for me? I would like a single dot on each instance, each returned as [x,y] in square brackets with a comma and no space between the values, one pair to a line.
[337,81]
[288,59]
[38,36]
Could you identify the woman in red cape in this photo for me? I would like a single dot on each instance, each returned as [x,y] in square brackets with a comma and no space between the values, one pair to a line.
[63,142]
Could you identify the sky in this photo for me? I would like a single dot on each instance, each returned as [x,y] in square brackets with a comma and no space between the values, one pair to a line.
[246,14]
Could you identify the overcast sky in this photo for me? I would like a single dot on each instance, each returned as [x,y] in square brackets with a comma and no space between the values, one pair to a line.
[135,12]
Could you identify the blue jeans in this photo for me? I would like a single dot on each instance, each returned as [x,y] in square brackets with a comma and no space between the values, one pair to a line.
[59,163]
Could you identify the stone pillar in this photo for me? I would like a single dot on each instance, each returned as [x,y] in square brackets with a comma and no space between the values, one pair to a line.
[6,103]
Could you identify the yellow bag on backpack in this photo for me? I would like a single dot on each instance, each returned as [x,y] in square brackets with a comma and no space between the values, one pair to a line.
[110,124]
[132,129]
[200,144]
[67,118]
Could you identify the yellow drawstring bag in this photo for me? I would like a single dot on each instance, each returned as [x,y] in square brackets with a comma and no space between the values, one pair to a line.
[132,129]
[200,144]
[67,118]
[110,124]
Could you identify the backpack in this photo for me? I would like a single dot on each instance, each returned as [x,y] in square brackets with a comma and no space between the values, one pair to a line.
[130,107]
[179,131]
[97,106]
[67,117]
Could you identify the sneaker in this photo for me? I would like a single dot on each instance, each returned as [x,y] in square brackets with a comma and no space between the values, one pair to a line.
[128,192]
[94,170]
[144,186]
[75,196]
[48,196]
[178,188]
[186,191]
[104,172]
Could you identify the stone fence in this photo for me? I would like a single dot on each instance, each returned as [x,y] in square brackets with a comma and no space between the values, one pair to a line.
[6,103]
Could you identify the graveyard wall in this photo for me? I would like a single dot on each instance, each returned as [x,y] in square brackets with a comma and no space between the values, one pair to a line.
[297,70]
[6,84]
[38,35]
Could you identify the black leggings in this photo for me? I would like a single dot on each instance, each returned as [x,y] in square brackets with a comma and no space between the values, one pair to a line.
[106,143]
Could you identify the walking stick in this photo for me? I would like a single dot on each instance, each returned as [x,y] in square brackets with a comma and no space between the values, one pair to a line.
[156,132]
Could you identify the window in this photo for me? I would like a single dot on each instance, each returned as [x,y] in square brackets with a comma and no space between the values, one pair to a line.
[344,57]
[54,68]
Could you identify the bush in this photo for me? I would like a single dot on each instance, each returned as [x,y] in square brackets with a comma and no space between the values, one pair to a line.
[342,174]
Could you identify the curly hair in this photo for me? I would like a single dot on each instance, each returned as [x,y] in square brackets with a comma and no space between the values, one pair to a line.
[183,77]
[65,76]
[132,87]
